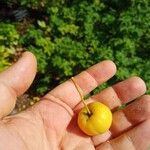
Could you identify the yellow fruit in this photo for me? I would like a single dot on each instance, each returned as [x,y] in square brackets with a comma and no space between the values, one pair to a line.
[98,122]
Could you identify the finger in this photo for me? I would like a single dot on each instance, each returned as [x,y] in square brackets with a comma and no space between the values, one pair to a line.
[98,139]
[133,114]
[125,119]
[121,92]
[86,80]
[110,96]
[20,75]
[137,138]
[15,81]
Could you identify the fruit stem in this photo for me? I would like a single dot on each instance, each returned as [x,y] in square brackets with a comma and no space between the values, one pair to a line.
[82,98]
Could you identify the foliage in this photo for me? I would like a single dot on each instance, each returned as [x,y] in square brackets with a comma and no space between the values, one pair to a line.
[8,35]
[4,55]
[69,36]
[8,39]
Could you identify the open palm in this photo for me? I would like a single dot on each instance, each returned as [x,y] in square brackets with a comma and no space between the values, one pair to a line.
[51,124]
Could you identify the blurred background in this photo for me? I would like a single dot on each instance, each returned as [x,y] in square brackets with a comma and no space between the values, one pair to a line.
[68,36]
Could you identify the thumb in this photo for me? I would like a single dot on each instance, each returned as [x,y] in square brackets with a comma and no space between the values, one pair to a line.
[15,81]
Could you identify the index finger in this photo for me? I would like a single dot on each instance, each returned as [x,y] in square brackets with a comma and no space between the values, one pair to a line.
[86,80]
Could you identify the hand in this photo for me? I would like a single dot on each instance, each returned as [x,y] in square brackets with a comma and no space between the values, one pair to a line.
[51,124]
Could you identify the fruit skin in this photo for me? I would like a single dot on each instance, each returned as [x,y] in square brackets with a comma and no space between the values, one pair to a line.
[98,122]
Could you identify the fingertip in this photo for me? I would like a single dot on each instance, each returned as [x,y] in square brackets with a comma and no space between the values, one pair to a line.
[111,64]
[31,57]
[102,71]
[21,74]
[138,83]
[130,89]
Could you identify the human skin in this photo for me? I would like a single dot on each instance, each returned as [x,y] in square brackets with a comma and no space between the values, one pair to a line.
[51,124]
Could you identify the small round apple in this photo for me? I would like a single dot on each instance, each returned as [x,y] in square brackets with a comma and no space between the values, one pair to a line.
[97,122]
